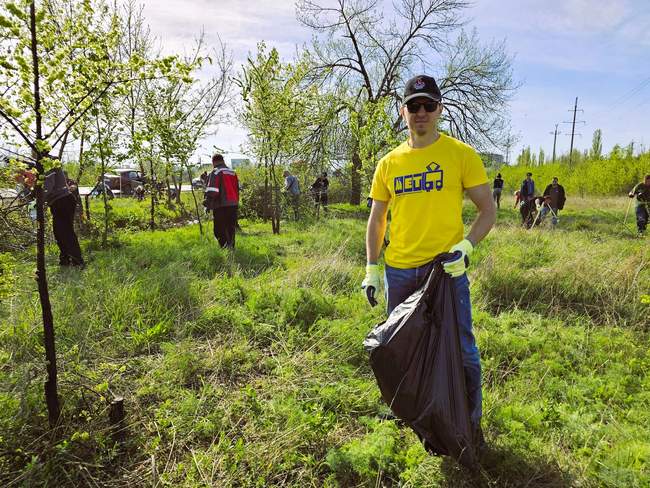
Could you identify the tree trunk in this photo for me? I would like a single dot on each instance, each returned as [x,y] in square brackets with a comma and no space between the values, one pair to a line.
[51,393]
[81,156]
[355,178]
[196,203]
[63,143]
[152,223]
[275,211]
[179,185]
[105,197]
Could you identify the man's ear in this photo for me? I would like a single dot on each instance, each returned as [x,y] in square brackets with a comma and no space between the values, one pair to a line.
[441,107]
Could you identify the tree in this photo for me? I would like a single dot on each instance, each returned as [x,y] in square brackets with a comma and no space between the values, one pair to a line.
[57,66]
[541,158]
[524,159]
[277,113]
[597,145]
[364,56]
[183,112]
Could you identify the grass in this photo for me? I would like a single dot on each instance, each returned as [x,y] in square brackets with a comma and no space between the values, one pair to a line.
[247,368]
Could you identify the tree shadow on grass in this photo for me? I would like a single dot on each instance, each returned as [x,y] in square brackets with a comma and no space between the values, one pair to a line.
[253,260]
[502,468]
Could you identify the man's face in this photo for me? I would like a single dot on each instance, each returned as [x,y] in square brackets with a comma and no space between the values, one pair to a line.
[647,181]
[421,122]
[528,177]
[554,181]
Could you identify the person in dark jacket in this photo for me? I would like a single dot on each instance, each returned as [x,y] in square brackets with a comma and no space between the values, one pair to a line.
[554,199]
[319,190]
[62,203]
[642,194]
[497,188]
[527,199]
[222,197]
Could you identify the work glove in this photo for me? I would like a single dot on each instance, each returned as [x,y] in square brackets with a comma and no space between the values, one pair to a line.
[458,266]
[370,284]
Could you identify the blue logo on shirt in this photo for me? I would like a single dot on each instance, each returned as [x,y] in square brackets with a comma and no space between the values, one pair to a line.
[426,181]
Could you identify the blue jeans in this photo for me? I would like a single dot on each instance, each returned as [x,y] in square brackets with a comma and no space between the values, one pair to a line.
[401,283]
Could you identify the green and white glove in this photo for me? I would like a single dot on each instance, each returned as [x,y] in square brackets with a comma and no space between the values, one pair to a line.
[458,266]
[370,284]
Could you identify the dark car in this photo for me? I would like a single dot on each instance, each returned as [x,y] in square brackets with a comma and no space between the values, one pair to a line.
[124,180]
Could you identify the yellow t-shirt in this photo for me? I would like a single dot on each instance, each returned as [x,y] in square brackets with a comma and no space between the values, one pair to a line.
[425,190]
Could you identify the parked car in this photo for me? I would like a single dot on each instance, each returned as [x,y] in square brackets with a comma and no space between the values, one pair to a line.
[124,180]
[198,184]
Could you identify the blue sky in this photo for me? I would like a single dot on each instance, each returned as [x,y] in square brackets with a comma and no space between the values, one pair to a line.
[597,50]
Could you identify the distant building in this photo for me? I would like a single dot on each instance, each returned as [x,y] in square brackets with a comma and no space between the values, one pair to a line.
[239,162]
[492,160]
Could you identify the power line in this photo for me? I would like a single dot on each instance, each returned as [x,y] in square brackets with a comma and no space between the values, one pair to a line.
[624,98]
[573,128]
[555,134]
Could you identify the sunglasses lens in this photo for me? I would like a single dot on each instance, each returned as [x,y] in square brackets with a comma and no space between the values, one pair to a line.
[414,107]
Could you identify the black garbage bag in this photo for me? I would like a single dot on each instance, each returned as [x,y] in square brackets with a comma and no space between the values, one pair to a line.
[417,360]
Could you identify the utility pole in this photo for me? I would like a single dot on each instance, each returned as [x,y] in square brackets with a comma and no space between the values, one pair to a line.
[573,129]
[510,141]
[555,133]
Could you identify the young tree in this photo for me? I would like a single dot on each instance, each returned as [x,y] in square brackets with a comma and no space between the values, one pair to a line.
[597,145]
[278,105]
[182,112]
[524,159]
[57,65]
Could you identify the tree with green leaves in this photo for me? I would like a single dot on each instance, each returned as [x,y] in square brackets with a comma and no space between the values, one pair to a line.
[364,54]
[596,145]
[182,112]
[278,112]
[56,66]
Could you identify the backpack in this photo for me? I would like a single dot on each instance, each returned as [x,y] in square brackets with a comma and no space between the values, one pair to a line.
[222,189]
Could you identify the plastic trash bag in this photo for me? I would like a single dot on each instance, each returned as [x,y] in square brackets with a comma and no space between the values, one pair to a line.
[417,360]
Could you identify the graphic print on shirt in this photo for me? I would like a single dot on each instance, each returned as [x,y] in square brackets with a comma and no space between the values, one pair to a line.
[417,182]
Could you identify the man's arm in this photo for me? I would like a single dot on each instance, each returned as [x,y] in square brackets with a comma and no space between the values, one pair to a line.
[376,230]
[487,212]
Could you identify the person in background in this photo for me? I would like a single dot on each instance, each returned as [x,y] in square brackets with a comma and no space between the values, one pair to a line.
[527,198]
[292,188]
[497,188]
[319,190]
[642,194]
[554,199]
[63,203]
[222,197]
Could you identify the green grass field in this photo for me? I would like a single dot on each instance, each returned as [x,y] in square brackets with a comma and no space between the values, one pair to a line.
[247,368]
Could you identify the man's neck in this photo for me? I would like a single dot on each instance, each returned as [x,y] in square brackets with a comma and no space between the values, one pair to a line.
[419,142]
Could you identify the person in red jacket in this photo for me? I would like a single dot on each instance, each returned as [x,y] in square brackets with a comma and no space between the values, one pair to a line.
[222,197]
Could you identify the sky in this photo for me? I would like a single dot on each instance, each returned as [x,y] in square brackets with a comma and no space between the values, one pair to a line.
[596,50]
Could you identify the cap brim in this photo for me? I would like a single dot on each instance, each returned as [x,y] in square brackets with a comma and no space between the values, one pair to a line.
[420,95]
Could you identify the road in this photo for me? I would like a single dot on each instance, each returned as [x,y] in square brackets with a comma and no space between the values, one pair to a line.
[8,193]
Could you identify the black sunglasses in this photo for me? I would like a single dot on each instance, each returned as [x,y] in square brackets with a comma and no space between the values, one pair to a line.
[414,107]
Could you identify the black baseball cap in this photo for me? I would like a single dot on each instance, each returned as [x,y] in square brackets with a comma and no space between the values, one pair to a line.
[421,86]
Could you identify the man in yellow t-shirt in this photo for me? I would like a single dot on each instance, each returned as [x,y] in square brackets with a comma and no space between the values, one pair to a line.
[423,181]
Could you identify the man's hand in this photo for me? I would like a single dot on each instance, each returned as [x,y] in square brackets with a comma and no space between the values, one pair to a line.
[458,266]
[370,284]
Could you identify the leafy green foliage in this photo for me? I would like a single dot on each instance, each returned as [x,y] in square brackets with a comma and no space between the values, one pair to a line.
[614,175]
[246,368]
